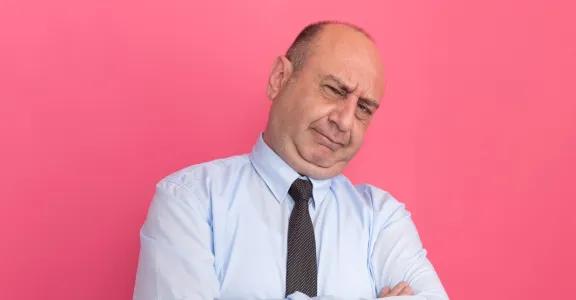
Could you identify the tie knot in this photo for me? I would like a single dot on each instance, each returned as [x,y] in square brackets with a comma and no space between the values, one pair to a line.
[301,190]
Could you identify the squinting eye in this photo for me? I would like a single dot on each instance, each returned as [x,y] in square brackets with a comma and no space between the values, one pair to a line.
[334,90]
[364,108]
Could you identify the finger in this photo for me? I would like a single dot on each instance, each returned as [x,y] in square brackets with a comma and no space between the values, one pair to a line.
[398,288]
[406,291]
[384,292]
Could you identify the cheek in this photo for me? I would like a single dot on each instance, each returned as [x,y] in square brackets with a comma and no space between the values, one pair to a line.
[311,113]
[357,137]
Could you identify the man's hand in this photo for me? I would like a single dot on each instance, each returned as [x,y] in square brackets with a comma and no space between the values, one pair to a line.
[401,289]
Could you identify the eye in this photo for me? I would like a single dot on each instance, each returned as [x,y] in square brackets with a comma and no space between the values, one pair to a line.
[364,108]
[334,90]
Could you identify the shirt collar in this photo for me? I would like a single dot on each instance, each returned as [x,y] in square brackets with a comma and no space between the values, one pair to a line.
[278,175]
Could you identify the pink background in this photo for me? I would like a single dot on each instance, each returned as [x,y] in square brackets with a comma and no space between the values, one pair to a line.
[101,99]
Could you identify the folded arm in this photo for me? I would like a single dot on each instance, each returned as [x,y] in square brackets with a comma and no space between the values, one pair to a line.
[177,262]
[397,251]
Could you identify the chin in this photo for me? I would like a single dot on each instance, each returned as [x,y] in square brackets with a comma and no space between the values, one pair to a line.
[322,173]
[322,161]
[320,164]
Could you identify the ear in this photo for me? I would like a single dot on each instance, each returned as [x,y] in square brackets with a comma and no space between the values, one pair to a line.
[279,76]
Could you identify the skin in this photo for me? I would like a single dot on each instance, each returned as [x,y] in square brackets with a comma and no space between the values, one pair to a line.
[320,113]
[401,289]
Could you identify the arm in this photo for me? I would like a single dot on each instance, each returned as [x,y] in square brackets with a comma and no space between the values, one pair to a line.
[300,296]
[397,252]
[176,259]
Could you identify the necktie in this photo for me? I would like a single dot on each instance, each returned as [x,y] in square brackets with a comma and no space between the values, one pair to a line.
[301,269]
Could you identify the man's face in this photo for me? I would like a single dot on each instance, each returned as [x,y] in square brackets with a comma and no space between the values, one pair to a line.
[320,114]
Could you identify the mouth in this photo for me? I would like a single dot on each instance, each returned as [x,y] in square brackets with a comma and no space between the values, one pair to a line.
[326,141]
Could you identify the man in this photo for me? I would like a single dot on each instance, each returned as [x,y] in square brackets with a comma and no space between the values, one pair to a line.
[282,222]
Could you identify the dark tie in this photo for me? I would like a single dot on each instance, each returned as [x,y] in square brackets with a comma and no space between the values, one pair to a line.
[301,269]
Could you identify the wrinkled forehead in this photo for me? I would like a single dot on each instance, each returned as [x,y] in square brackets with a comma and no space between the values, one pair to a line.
[351,57]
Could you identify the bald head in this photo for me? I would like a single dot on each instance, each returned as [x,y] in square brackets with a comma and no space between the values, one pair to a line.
[305,41]
[325,91]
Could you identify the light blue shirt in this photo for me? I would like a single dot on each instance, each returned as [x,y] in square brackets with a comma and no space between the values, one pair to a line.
[219,230]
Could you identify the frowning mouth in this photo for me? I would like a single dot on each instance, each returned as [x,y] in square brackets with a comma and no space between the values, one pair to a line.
[327,141]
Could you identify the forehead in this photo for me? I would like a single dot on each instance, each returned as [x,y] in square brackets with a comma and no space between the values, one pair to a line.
[350,56]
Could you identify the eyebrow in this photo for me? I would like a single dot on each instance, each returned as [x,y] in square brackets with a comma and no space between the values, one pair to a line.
[347,89]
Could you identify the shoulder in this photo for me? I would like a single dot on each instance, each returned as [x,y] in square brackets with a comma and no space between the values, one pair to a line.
[194,177]
[385,207]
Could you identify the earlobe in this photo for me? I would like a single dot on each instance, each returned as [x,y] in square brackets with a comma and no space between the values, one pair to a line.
[281,72]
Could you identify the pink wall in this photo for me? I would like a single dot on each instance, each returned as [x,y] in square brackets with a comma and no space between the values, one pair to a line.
[101,99]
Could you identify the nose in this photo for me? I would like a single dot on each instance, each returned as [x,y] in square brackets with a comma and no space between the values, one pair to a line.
[343,115]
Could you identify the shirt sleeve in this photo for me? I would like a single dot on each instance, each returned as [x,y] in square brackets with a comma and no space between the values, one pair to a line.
[397,253]
[176,258]
[301,296]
